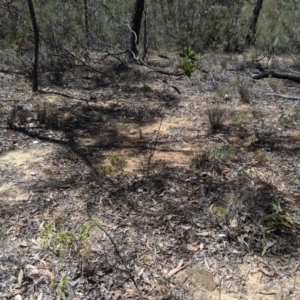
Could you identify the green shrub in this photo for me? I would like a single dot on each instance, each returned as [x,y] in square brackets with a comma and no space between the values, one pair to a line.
[105,170]
[280,218]
[64,242]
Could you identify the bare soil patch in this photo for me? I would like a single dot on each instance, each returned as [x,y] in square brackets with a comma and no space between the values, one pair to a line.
[129,156]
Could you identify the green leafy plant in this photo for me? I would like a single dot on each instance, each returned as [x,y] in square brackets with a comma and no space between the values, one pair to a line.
[222,154]
[104,170]
[240,122]
[297,110]
[212,156]
[200,160]
[279,218]
[223,211]
[187,58]
[62,241]
[260,155]
[117,161]
[71,179]
[61,286]
[252,139]
[296,113]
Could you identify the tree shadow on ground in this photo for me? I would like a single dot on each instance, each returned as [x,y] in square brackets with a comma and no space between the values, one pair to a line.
[183,204]
[173,199]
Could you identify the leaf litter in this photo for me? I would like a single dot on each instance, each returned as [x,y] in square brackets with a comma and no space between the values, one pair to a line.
[208,221]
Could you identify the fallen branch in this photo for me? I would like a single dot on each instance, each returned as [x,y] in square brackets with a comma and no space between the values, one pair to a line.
[126,270]
[283,96]
[159,70]
[278,75]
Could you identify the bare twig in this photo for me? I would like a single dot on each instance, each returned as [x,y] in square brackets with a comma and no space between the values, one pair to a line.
[296,269]
[126,270]
[154,147]
[220,287]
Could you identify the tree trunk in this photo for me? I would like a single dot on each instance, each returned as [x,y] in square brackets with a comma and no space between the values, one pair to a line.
[250,38]
[135,28]
[87,28]
[36,47]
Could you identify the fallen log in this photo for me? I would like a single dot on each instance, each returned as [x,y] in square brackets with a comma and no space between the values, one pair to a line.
[278,75]
[283,96]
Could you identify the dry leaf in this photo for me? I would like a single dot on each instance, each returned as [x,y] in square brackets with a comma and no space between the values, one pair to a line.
[146,279]
[20,277]
[34,273]
[140,272]
[213,209]
[179,267]
[40,296]
[261,268]
[203,233]
[34,242]
[222,235]
[23,244]
[256,270]
[48,273]
[266,272]
[185,227]
[233,223]
[191,247]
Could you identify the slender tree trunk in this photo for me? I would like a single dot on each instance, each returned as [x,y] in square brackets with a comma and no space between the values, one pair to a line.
[86,17]
[145,34]
[36,47]
[136,28]
[250,38]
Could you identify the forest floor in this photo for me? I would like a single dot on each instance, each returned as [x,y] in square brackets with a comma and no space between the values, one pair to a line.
[114,186]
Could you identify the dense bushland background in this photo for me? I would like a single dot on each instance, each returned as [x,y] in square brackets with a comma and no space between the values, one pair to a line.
[69,28]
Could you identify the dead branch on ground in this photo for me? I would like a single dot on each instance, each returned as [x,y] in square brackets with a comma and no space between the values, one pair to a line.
[275,74]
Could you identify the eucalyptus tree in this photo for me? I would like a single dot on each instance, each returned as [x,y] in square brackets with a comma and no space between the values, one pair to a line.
[250,39]
[135,28]
[36,46]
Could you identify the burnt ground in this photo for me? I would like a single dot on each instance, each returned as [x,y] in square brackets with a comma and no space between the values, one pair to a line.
[110,181]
